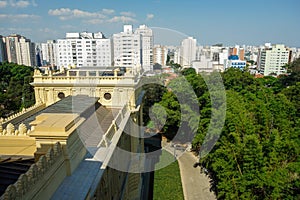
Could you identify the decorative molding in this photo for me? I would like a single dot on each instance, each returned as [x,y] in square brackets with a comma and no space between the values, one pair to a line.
[11,131]
[31,179]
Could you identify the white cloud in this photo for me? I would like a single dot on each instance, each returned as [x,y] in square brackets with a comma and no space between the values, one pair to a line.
[108,11]
[94,21]
[19,4]
[19,18]
[16,4]
[92,17]
[150,16]
[67,13]
[59,12]
[3,4]
[80,13]
[128,14]
[123,19]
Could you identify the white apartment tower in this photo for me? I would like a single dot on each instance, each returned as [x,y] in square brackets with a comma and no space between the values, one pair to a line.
[27,52]
[49,53]
[127,48]
[84,50]
[160,55]
[177,55]
[147,45]
[133,48]
[271,59]
[188,52]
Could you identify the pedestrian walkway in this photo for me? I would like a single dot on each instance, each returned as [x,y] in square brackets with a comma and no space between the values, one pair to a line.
[196,185]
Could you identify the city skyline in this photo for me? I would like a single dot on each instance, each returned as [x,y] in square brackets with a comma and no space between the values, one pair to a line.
[249,23]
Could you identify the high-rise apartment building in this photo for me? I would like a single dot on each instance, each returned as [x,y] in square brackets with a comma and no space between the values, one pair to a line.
[133,48]
[20,50]
[177,55]
[160,55]
[272,59]
[188,52]
[12,49]
[127,48]
[84,50]
[147,45]
[27,52]
[49,53]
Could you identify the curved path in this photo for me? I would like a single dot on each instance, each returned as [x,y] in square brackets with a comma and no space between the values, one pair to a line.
[195,184]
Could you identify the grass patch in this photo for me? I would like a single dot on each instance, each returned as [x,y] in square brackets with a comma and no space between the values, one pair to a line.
[165,160]
[167,181]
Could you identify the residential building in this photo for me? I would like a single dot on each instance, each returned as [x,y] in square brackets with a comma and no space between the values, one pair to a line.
[295,53]
[38,55]
[84,50]
[12,49]
[188,52]
[199,50]
[127,48]
[27,52]
[20,50]
[177,55]
[272,59]
[237,51]
[133,48]
[49,53]
[160,55]
[147,46]
[223,56]
[234,62]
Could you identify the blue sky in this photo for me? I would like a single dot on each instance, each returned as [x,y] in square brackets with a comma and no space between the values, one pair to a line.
[229,22]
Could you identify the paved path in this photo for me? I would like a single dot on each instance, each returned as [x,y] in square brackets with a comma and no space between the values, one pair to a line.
[195,184]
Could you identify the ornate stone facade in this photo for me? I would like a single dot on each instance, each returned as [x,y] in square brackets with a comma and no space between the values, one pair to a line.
[113,89]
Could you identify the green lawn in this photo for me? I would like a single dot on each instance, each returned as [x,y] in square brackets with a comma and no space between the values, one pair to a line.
[167,181]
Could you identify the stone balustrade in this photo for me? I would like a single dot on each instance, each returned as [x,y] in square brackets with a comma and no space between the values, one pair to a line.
[11,131]
[113,128]
[26,112]
[35,179]
[91,80]
[76,76]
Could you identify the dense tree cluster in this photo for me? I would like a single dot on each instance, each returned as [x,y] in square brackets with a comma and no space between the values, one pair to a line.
[15,91]
[257,153]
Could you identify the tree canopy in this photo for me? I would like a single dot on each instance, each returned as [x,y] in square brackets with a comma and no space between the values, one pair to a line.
[15,89]
[257,154]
